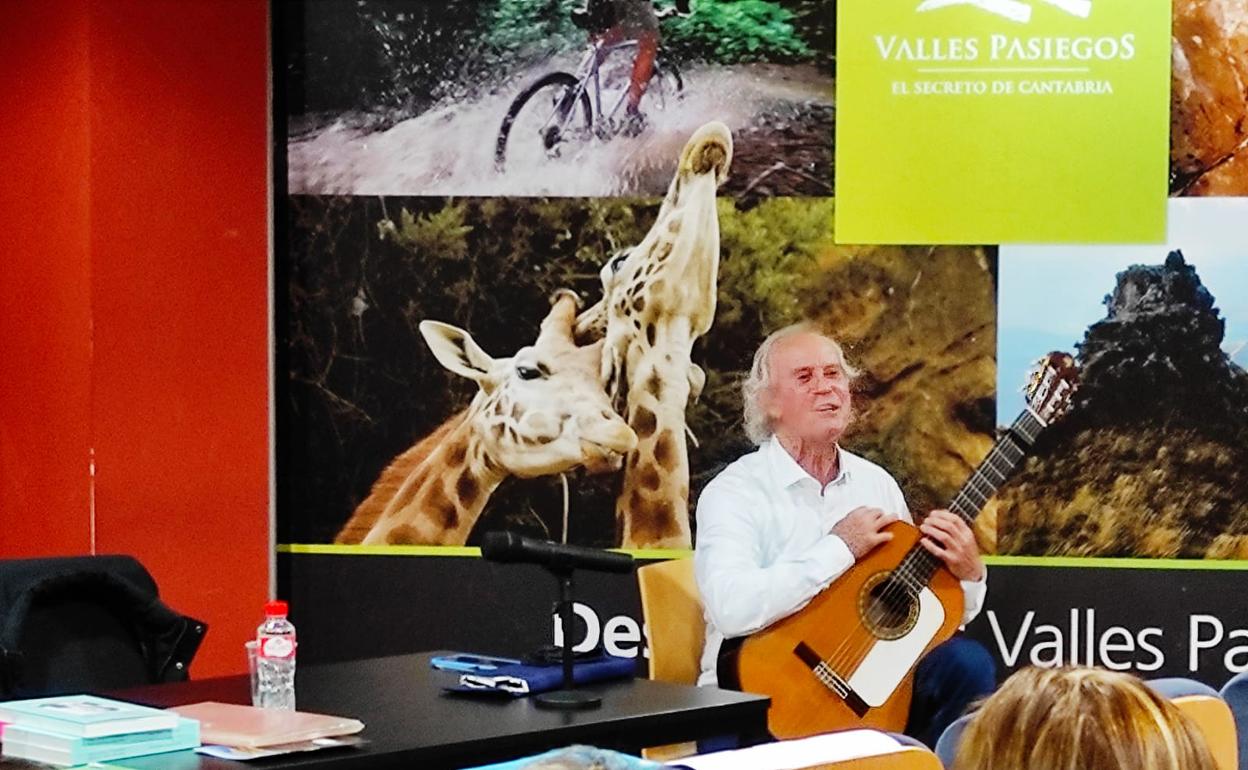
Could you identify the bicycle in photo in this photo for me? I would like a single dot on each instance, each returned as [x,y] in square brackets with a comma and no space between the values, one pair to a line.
[561,108]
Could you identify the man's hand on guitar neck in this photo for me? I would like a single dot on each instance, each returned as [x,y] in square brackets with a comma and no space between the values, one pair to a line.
[947,536]
[862,529]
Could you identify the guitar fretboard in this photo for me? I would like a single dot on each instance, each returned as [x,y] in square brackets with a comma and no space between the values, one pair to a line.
[918,566]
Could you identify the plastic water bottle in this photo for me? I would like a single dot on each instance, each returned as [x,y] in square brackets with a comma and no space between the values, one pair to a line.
[275,660]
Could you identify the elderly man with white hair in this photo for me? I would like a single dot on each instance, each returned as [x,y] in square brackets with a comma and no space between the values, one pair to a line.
[780,524]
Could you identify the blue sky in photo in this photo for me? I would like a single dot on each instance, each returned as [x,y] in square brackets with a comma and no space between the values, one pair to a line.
[1049,295]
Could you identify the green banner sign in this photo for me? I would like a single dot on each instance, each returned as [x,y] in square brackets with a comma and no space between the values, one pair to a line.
[992,121]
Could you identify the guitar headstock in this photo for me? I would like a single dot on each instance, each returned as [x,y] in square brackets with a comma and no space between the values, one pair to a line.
[1051,385]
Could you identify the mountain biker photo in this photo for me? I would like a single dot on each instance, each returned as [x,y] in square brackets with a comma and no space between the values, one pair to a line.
[552,97]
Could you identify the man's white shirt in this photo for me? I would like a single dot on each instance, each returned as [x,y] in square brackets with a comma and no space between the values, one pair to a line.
[764,546]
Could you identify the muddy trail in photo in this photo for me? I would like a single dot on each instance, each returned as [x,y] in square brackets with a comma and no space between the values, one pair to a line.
[781,117]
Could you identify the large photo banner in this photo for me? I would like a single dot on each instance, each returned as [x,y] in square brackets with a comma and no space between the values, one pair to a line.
[386,439]
[525,256]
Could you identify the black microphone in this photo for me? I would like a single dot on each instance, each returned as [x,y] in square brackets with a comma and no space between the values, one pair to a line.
[510,547]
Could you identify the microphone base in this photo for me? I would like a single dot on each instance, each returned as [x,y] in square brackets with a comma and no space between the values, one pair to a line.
[568,700]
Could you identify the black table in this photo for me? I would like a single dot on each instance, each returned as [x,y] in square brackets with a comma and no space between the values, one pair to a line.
[411,723]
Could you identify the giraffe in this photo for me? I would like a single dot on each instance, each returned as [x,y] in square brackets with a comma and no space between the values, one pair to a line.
[658,298]
[542,411]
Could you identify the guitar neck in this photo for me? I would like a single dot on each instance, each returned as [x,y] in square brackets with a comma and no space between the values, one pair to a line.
[1000,463]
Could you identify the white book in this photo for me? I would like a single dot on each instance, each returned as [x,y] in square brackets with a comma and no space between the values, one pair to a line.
[794,755]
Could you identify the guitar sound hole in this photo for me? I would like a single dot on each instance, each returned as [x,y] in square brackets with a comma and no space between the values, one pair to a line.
[888,608]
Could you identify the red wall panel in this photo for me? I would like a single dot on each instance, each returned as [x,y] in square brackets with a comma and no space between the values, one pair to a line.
[179,292]
[45,309]
[134,297]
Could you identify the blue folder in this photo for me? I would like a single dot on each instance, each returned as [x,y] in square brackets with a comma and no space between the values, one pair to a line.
[523,679]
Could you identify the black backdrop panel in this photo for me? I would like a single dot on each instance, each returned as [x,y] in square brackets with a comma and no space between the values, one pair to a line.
[1156,622]
[347,607]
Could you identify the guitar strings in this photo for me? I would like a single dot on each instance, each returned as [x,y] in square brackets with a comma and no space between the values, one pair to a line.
[916,562]
[903,580]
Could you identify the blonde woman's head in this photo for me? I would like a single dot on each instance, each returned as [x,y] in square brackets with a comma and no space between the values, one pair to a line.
[1073,718]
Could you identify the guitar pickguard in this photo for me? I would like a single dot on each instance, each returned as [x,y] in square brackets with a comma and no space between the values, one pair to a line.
[890,660]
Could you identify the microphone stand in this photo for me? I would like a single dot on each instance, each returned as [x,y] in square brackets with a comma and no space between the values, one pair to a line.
[560,560]
[568,698]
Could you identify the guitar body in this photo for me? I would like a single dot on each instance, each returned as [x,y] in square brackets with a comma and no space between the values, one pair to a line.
[847,659]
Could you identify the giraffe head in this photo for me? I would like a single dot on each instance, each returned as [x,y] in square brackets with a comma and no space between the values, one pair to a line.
[666,285]
[543,410]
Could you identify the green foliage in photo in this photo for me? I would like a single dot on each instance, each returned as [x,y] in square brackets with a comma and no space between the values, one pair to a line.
[735,32]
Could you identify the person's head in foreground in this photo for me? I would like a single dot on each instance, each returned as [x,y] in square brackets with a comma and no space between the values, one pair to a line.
[1073,718]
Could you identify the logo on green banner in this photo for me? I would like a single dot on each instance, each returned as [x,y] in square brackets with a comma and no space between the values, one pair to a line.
[1002,121]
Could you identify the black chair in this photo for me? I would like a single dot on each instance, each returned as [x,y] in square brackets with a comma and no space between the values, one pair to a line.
[85,624]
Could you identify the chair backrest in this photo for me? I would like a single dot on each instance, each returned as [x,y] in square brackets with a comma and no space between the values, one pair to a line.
[947,743]
[672,611]
[1203,705]
[88,623]
[1213,716]
[73,644]
[1198,701]
[1235,693]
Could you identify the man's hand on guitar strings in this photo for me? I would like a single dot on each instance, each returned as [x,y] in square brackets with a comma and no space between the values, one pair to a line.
[948,537]
[862,529]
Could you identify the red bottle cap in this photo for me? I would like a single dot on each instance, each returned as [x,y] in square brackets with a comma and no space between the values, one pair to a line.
[275,607]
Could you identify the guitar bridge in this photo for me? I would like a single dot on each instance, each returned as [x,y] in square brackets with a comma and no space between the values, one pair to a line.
[830,679]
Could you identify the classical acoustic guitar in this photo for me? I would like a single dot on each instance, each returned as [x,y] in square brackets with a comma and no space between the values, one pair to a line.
[847,658]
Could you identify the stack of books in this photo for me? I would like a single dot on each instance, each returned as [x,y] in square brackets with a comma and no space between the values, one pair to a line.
[73,730]
[231,731]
